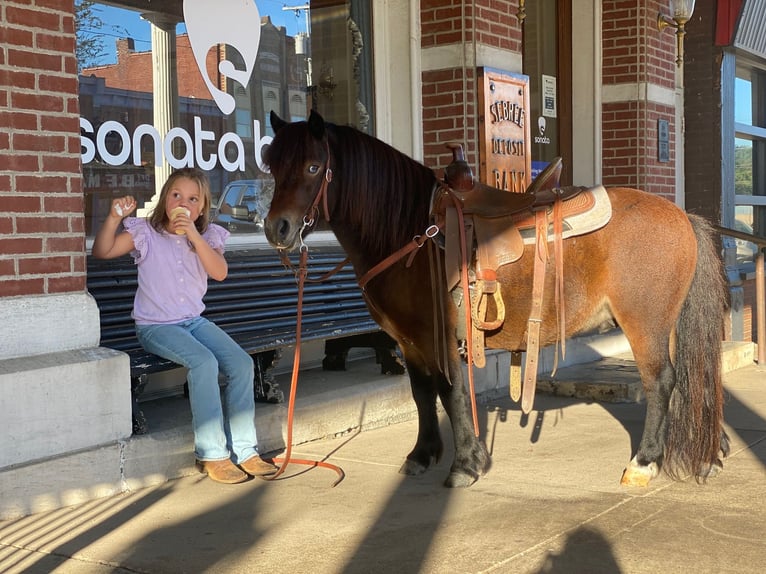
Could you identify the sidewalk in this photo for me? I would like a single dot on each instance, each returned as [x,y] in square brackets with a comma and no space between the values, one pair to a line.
[551,503]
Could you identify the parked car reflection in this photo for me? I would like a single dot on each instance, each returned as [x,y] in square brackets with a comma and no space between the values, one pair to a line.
[243,205]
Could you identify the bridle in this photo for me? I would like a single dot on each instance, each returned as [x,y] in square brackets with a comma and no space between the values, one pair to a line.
[320,197]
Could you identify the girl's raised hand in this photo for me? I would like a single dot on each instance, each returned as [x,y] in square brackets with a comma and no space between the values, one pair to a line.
[123,206]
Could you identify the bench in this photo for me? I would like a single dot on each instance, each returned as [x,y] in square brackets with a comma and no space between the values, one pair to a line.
[256,306]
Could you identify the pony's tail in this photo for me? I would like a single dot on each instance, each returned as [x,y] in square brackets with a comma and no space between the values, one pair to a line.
[695,433]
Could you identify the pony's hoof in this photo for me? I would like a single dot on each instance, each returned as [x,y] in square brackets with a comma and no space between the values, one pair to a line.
[638,475]
[710,471]
[459,480]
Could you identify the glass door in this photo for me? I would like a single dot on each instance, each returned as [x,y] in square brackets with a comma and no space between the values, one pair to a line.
[546,31]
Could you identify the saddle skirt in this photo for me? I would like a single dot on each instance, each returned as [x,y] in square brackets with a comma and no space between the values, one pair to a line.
[484,228]
[499,241]
[587,211]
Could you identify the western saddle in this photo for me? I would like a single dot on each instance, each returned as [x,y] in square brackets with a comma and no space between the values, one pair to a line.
[482,230]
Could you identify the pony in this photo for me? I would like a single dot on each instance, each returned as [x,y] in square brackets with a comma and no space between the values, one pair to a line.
[653,270]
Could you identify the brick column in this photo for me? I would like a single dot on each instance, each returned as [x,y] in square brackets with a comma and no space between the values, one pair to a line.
[639,88]
[59,392]
[461,36]
[41,214]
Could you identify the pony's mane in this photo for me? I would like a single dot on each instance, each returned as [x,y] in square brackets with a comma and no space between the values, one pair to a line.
[383,191]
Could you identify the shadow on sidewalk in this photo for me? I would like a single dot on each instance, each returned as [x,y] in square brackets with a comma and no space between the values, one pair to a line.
[399,539]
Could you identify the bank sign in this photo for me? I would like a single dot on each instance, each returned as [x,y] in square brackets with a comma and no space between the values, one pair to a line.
[504,144]
[233,22]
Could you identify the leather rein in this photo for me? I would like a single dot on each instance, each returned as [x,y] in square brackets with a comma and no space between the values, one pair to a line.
[301,276]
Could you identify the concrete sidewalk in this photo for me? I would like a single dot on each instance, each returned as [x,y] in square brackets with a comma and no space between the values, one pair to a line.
[551,503]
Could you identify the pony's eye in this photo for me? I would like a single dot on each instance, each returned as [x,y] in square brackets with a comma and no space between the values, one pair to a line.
[313,168]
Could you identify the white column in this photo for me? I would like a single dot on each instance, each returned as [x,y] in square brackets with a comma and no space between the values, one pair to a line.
[164,91]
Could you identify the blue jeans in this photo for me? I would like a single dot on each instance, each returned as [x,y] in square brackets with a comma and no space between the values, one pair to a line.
[222,429]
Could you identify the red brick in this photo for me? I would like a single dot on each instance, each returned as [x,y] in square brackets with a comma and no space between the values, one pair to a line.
[44,223]
[21,204]
[70,65]
[66,284]
[38,142]
[21,163]
[16,120]
[15,287]
[23,17]
[69,164]
[41,102]
[65,244]
[13,36]
[22,245]
[53,83]
[7,267]
[41,184]
[31,60]
[6,222]
[55,42]
[45,265]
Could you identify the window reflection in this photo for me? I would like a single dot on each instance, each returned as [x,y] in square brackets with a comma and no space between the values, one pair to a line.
[750,158]
[157,107]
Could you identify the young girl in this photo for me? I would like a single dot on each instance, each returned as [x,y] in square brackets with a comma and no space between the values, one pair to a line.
[176,250]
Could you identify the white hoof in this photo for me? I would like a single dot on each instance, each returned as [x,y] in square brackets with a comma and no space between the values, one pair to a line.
[638,475]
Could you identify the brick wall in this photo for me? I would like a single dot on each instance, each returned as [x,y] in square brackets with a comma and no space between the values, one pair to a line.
[636,54]
[42,248]
[449,95]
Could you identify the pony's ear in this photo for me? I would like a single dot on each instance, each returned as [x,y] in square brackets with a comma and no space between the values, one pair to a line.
[277,123]
[316,125]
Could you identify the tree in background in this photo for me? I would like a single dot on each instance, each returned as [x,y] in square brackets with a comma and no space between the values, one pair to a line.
[90,44]
[90,30]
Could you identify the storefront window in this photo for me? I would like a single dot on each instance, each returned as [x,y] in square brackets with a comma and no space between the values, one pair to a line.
[750,157]
[192,83]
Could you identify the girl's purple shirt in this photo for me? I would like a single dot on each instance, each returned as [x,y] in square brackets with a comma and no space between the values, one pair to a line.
[171,278]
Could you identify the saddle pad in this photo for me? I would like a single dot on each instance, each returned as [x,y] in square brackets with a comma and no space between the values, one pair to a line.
[586,212]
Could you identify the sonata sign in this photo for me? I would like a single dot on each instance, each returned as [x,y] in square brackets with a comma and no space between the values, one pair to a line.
[164,147]
[232,22]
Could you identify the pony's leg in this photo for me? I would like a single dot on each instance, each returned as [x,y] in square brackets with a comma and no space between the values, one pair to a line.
[471,456]
[645,465]
[429,447]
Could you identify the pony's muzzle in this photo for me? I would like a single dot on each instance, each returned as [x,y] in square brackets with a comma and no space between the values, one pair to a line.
[281,232]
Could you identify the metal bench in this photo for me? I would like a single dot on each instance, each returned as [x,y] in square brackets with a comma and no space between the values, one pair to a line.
[256,305]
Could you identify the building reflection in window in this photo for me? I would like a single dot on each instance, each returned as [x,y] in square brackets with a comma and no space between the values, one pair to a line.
[151,110]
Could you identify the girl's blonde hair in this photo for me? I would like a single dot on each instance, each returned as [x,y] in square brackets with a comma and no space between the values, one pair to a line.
[159,219]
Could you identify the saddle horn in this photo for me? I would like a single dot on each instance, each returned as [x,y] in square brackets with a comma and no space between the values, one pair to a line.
[458,174]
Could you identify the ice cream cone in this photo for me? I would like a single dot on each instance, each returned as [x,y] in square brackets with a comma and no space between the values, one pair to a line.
[175,212]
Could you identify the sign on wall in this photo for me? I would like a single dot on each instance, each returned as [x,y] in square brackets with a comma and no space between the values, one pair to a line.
[504,133]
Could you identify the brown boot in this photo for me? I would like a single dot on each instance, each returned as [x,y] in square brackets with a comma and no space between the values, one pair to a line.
[221,471]
[256,466]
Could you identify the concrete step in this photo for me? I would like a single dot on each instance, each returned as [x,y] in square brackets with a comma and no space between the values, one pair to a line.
[328,404]
[615,378]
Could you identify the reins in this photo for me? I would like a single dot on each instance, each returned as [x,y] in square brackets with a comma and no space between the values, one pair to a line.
[411,249]
[301,275]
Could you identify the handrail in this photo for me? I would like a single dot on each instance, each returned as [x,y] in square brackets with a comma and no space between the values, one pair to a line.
[760,291]
[758,240]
